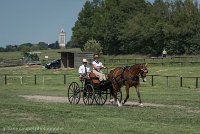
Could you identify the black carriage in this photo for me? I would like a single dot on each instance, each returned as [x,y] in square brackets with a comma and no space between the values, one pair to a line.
[91,90]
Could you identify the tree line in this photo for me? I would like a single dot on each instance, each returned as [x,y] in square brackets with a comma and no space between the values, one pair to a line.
[29,47]
[139,27]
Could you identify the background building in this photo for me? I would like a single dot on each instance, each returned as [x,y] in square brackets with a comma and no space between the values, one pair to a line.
[62,39]
[74,59]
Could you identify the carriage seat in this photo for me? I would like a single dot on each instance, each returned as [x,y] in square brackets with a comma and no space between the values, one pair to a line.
[93,78]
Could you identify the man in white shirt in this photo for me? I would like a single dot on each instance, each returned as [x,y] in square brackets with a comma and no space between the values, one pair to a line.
[84,70]
[164,53]
[97,66]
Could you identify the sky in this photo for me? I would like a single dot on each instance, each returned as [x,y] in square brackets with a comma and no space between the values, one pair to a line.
[33,21]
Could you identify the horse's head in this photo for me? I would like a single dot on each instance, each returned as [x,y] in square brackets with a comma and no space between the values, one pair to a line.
[143,72]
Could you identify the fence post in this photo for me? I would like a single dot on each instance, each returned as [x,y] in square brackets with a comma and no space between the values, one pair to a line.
[152,83]
[196,82]
[35,79]
[5,79]
[181,81]
[21,79]
[167,81]
[64,79]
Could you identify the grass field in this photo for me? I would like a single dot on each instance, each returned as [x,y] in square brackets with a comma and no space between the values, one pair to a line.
[173,110]
[180,113]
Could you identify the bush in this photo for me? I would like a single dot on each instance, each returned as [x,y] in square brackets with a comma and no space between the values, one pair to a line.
[92,46]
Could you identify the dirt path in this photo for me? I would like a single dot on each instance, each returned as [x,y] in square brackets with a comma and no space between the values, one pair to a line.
[57,99]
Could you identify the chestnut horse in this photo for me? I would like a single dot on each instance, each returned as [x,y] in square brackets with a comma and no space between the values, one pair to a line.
[128,77]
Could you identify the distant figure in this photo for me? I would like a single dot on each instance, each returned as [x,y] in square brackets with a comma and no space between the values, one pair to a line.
[84,70]
[164,53]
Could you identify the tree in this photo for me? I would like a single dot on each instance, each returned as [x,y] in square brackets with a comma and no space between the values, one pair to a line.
[82,29]
[24,50]
[93,46]
[138,26]
[11,48]
[54,45]
[42,45]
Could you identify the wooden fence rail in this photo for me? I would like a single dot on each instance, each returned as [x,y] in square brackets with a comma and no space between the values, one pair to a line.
[181,80]
[32,79]
[153,60]
[53,79]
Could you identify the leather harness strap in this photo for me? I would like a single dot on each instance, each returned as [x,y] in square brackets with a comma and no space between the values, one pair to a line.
[134,78]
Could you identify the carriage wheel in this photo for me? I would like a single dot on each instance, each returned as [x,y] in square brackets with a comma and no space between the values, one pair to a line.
[74,93]
[88,94]
[101,97]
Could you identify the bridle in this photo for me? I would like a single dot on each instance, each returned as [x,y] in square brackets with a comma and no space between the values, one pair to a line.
[142,72]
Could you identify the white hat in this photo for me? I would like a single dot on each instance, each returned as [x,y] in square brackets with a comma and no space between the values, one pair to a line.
[85,60]
[96,56]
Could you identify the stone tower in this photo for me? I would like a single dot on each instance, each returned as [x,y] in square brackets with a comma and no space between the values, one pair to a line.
[62,39]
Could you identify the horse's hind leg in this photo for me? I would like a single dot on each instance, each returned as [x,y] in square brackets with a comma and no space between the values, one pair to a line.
[114,93]
[138,94]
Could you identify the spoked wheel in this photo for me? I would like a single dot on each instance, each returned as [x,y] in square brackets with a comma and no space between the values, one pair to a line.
[101,97]
[88,94]
[74,93]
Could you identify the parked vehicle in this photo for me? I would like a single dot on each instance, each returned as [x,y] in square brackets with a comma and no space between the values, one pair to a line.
[53,64]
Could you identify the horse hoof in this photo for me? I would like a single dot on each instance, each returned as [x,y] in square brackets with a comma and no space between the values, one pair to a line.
[119,105]
[141,105]
[111,100]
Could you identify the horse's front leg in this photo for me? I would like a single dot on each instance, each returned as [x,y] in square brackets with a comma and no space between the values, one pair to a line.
[138,94]
[127,94]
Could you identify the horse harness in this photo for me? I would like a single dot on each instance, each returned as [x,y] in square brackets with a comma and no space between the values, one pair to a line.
[123,79]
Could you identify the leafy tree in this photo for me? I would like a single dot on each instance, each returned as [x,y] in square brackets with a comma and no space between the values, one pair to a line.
[138,26]
[42,45]
[93,46]
[11,48]
[24,50]
[2,49]
[54,45]
[82,29]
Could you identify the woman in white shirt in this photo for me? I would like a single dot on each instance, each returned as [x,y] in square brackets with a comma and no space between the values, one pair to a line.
[97,66]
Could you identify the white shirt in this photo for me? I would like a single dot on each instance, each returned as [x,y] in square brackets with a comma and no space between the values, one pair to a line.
[164,52]
[81,69]
[98,65]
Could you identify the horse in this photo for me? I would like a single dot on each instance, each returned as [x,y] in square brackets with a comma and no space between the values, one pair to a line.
[127,76]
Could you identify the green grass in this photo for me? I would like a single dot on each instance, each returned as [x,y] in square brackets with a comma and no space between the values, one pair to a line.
[17,112]
[179,112]
[10,55]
